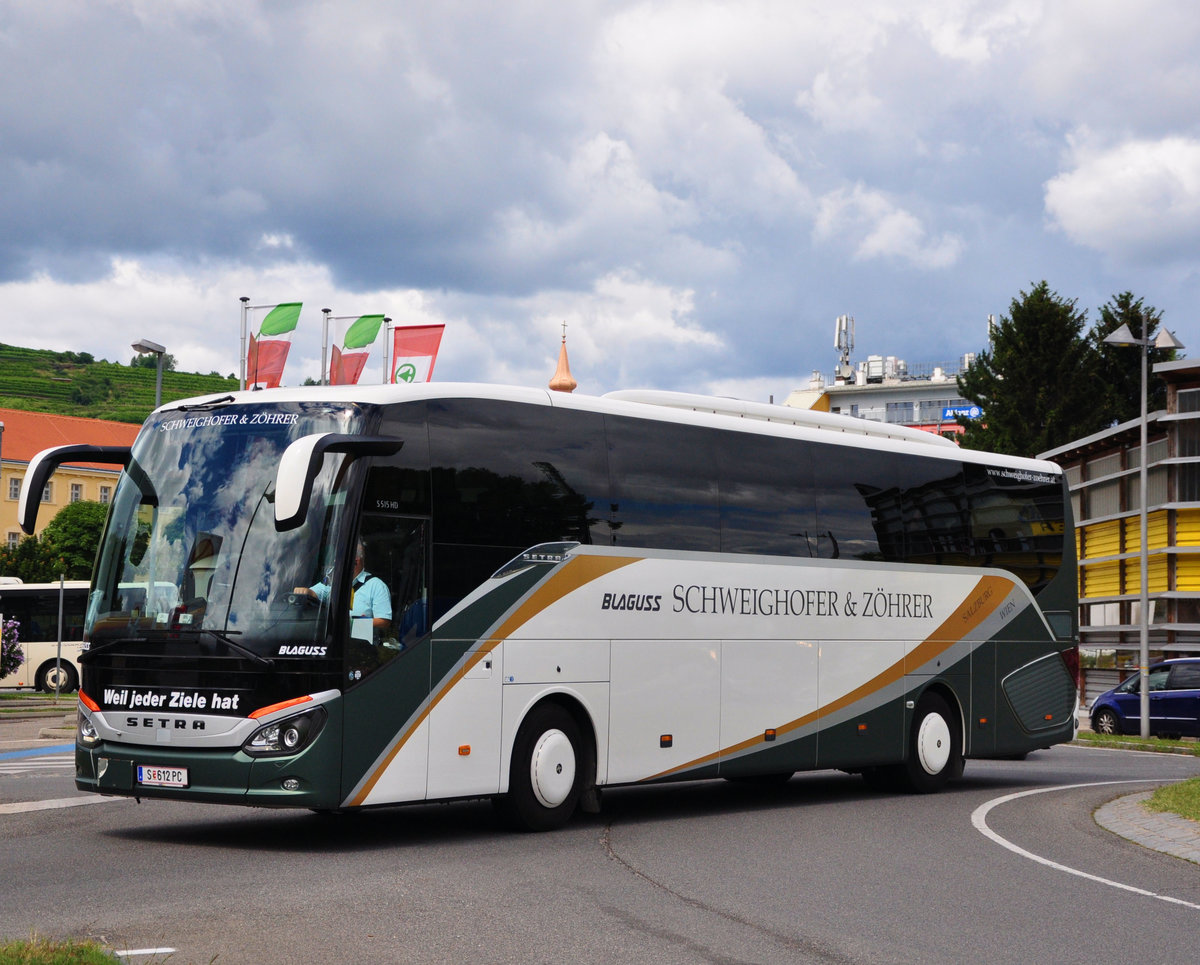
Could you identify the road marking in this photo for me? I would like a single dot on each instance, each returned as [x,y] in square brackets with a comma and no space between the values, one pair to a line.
[20,807]
[138,952]
[29,767]
[37,752]
[979,820]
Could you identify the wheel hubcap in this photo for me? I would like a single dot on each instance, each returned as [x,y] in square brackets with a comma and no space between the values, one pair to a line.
[933,743]
[552,768]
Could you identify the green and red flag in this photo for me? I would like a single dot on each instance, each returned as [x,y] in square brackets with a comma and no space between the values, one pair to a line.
[347,362]
[414,350]
[269,350]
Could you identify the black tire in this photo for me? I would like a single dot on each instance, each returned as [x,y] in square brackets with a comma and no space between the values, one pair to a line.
[65,674]
[548,771]
[1106,722]
[934,747]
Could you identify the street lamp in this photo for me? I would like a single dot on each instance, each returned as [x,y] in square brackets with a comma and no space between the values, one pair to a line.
[1165,340]
[146,347]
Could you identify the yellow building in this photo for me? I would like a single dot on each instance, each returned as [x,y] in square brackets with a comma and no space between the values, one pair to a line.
[25,434]
[1103,472]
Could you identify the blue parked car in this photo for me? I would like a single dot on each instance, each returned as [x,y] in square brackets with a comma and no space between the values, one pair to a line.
[1174,702]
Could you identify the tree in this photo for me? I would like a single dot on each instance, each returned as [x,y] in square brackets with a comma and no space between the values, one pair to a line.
[150,361]
[32,560]
[1036,383]
[1119,368]
[73,535]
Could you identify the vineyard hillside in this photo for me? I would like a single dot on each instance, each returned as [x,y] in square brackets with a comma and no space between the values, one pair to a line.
[74,383]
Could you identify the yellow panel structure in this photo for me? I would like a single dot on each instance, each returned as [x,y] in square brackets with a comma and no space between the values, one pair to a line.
[1156,531]
[1156,570]
[1101,539]
[1100,579]
[1187,572]
[1187,527]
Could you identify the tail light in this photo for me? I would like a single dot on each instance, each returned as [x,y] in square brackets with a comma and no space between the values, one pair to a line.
[1070,658]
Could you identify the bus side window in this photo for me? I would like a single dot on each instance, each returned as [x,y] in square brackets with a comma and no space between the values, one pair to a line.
[397,549]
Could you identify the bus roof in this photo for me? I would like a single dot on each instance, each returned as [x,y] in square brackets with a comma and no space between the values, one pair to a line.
[755,417]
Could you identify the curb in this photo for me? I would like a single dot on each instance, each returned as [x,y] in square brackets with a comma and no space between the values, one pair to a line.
[1157,830]
[1121,746]
[64,730]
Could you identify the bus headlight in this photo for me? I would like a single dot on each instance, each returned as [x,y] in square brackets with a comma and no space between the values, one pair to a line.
[288,736]
[85,731]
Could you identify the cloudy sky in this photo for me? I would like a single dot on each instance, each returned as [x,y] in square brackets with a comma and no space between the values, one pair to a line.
[697,188]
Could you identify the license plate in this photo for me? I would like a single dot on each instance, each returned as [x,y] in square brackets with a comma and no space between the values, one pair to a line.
[162,776]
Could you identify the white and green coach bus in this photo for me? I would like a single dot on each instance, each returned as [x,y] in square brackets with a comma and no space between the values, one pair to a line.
[584,592]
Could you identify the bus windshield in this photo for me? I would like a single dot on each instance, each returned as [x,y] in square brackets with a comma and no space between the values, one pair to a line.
[191,544]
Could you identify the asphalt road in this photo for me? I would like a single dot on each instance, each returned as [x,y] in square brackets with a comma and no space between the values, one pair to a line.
[820,870]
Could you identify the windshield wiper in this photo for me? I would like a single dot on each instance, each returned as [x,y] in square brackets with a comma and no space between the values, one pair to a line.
[210,404]
[232,644]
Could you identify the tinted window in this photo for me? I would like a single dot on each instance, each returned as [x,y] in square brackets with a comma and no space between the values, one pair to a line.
[861,499]
[1017,521]
[37,613]
[1185,676]
[505,477]
[400,483]
[767,500]
[664,484]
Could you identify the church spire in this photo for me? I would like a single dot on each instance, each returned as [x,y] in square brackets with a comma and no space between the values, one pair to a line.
[563,380]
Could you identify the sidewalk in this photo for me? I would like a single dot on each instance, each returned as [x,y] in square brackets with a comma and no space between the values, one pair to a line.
[39,723]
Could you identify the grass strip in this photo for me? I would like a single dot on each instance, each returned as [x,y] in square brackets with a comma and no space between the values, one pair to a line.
[1126,741]
[44,951]
[1182,799]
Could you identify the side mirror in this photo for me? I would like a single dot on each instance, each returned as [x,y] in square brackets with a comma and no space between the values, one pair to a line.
[301,461]
[42,466]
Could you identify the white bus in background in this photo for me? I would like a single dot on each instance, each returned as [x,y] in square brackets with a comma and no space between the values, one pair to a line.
[35,607]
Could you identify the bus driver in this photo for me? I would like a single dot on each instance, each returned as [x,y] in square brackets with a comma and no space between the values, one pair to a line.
[369,596]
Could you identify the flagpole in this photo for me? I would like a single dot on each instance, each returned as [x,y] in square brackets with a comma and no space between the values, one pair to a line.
[387,334]
[242,368]
[325,347]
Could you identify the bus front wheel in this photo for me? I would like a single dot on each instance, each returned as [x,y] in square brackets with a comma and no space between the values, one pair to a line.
[49,674]
[934,747]
[547,773]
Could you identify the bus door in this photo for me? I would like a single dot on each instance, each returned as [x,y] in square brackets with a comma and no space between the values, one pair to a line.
[387,660]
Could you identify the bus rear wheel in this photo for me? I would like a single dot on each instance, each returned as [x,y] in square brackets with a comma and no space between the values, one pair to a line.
[63,676]
[934,747]
[547,774]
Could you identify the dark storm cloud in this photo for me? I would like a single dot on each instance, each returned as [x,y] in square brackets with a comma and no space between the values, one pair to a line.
[701,184]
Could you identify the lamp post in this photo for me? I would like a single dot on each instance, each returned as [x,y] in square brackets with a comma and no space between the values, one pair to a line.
[1165,340]
[146,347]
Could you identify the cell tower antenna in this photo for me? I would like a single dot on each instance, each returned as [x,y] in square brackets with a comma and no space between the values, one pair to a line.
[843,341]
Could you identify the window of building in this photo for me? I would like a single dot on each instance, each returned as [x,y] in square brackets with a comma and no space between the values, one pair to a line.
[1104,499]
[14,487]
[48,493]
[13,539]
[76,492]
[1188,400]
[1187,482]
[105,494]
[1187,439]
[1104,466]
